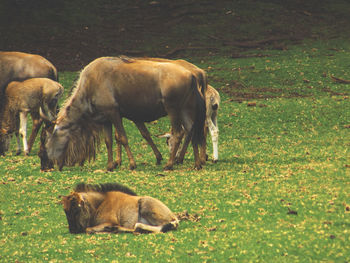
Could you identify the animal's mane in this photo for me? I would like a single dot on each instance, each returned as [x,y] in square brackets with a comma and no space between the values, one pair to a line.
[103,188]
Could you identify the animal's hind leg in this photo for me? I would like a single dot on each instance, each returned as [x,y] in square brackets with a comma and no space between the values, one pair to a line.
[154,216]
[177,134]
[37,121]
[145,133]
[23,130]
[181,154]
[121,138]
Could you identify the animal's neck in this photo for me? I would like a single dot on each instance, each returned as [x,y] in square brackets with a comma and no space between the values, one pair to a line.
[93,198]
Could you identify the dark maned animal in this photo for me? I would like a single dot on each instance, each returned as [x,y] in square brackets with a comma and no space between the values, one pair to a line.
[115,208]
[111,88]
[37,96]
[18,66]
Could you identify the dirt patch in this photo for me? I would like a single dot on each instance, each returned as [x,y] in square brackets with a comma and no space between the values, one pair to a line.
[72,33]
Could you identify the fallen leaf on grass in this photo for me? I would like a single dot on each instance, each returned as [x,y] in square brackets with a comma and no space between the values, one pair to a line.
[251,104]
[183,216]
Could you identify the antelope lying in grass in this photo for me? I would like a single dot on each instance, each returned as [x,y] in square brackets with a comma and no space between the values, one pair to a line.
[115,208]
[37,96]
[212,98]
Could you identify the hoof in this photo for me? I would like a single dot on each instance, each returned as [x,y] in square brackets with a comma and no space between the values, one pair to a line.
[18,152]
[132,166]
[159,161]
[90,231]
[168,168]
[215,161]
[111,167]
[179,161]
[198,167]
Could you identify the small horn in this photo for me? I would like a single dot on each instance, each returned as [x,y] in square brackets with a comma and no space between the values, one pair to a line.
[43,115]
[165,135]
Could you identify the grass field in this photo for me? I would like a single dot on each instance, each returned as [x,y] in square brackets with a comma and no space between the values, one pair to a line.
[279,193]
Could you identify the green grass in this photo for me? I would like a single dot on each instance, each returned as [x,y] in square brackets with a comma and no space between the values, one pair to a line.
[280,191]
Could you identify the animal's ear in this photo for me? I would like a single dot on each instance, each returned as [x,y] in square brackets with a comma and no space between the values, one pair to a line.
[79,199]
[65,202]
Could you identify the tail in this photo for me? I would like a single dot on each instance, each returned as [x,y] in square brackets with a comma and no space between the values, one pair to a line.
[203,83]
[53,74]
[199,121]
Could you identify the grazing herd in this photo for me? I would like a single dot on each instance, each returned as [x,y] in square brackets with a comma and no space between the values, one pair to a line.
[108,90]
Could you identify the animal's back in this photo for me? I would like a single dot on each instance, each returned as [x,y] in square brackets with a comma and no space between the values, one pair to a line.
[22,96]
[137,88]
[121,207]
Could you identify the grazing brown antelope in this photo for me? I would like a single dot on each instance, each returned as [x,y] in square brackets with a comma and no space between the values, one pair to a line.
[201,77]
[37,96]
[112,88]
[18,66]
[115,208]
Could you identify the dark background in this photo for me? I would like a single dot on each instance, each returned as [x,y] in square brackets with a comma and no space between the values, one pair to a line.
[71,33]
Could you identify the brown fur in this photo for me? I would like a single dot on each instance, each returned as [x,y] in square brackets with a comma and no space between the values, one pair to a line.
[212,101]
[37,96]
[111,88]
[115,208]
[18,66]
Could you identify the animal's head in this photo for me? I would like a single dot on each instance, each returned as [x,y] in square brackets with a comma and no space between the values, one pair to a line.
[56,143]
[77,212]
[45,163]
[52,94]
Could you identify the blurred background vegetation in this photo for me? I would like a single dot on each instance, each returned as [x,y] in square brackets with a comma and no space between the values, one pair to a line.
[71,33]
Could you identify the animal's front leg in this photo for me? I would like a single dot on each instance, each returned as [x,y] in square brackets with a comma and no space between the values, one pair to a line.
[109,144]
[19,149]
[35,129]
[145,134]
[181,154]
[214,132]
[100,228]
[122,139]
[109,228]
[177,134]
[197,160]
[23,130]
